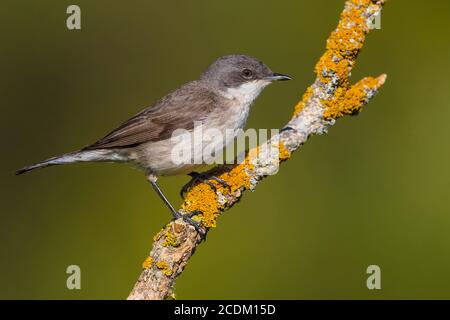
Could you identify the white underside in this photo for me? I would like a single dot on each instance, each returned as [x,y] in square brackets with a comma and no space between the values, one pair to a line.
[155,157]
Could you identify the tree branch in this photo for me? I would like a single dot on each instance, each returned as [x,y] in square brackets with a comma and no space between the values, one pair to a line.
[330,97]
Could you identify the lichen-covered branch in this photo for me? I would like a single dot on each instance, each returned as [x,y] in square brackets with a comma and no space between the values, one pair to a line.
[330,97]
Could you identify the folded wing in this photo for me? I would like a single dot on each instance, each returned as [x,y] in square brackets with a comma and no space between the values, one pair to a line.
[178,110]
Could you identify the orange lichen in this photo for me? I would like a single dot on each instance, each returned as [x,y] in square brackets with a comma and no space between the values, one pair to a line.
[302,103]
[147,263]
[284,153]
[238,177]
[202,197]
[351,101]
[343,46]
[336,64]
[348,38]
[170,239]
[164,267]
[332,65]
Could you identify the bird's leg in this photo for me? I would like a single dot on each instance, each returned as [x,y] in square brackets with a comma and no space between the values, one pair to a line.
[202,177]
[177,215]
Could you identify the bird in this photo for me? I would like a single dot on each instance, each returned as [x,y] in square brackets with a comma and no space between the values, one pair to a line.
[221,98]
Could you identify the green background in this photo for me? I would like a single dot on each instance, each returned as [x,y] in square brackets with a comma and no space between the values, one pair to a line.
[375,190]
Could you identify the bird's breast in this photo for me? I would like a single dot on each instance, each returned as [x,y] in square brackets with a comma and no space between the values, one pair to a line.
[217,131]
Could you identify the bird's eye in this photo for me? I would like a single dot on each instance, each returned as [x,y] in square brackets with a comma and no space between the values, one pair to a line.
[247,73]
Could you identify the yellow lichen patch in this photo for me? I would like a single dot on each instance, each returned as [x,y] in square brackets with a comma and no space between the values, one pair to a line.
[284,153]
[335,65]
[170,239]
[147,263]
[203,198]
[332,65]
[238,177]
[302,103]
[348,38]
[164,267]
[351,101]
[343,46]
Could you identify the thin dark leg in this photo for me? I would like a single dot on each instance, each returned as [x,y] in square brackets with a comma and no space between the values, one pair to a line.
[175,213]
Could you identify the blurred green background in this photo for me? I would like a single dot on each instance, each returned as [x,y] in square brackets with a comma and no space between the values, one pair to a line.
[373,191]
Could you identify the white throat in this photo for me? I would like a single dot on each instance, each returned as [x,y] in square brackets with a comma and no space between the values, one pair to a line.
[246,93]
[242,98]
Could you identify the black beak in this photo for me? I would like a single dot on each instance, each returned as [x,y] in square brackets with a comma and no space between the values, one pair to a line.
[278,77]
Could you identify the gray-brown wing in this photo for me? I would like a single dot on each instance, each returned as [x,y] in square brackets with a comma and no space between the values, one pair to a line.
[177,110]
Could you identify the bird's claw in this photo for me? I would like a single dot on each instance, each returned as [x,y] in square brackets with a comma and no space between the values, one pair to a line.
[205,178]
[187,217]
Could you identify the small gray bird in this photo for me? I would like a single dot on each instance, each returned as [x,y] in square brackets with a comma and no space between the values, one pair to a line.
[220,99]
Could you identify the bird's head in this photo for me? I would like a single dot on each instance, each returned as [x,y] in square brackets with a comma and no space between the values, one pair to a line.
[240,75]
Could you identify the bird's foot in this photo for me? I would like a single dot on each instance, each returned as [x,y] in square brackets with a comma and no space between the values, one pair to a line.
[202,177]
[187,217]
